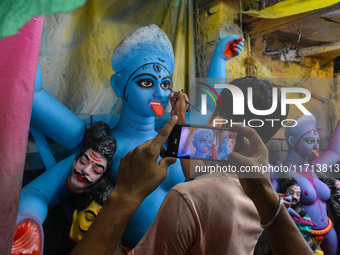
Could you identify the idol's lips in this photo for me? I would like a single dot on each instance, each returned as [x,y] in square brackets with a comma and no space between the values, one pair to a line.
[157,108]
[81,177]
[82,230]
[155,101]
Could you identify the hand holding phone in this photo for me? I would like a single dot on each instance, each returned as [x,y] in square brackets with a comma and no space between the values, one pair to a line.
[203,142]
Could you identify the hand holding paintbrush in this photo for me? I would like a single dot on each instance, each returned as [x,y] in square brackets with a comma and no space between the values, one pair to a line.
[185,99]
[179,105]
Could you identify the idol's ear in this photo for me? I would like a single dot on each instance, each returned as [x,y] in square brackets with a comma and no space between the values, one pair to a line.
[74,163]
[194,143]
[116,84]
[290,141]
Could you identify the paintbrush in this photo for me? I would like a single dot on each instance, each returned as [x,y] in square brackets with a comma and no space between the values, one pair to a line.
[187,102]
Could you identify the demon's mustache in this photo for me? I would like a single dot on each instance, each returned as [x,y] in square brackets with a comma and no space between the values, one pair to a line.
[82,175]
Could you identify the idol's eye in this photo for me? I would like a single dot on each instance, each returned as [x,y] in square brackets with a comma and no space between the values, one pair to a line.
[98,169]
[165,85]
[90,216]
[309,140]
[146,83]
[84,160]
[203,141]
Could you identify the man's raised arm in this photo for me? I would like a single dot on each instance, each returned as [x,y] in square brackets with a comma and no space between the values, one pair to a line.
[284,236]
[138,175]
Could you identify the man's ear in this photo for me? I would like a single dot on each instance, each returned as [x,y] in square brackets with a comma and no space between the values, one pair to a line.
[116,84]
[211,120]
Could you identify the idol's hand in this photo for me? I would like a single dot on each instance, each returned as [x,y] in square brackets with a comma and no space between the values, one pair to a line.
[229,47]
[28,238]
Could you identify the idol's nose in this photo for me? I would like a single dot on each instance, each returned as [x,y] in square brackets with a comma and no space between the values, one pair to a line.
[86,170]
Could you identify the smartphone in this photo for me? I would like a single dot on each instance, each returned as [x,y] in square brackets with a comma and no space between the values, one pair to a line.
[203,142]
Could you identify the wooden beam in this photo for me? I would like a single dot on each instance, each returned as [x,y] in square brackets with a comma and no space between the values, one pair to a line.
[317,50]
[326,52]
[265,26]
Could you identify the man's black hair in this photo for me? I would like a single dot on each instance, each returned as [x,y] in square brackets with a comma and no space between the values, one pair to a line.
[262,100]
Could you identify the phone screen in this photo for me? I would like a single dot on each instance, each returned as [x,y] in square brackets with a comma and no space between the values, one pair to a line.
[203,142]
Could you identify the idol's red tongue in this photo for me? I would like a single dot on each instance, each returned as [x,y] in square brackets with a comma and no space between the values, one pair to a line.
[206,149]
[157,108]
[316,154]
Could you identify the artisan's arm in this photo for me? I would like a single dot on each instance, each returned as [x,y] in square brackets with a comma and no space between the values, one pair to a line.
[179,108]
[138,175]
[284,236]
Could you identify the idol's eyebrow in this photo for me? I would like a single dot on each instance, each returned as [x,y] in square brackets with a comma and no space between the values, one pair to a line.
[87,157]
[99,165]
[167,77]
[144,74]
[89,211]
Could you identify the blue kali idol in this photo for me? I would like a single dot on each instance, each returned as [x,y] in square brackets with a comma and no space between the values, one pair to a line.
[203,141]
[143,64]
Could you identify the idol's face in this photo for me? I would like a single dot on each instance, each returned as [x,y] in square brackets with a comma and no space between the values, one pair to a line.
[305,230]
[295,192]
[337,188]
[308,144]
[203,143]
[147,90]
[228,143]
[87,170]
[82,220]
